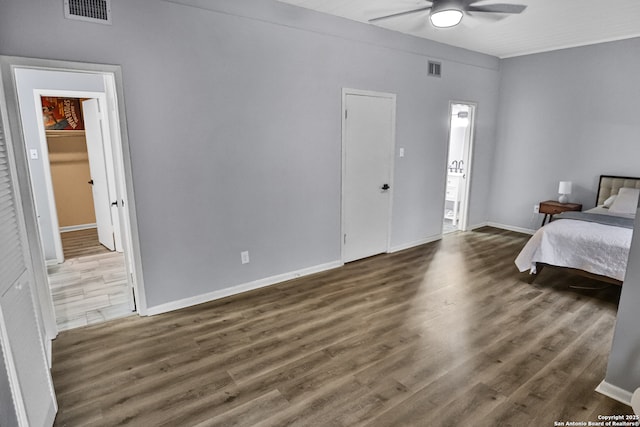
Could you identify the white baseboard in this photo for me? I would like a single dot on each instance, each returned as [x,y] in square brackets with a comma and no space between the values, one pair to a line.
[615,392]
[49,352]
[261,283]
[511,228]
[78,227]
[473,227]
[415,243]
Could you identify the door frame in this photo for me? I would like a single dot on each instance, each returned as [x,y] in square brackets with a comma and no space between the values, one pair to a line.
[358,92]
[114,91]
[466,191]
[46,163]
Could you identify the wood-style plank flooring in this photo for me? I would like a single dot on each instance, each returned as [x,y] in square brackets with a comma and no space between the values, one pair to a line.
[445,334]
[90,286]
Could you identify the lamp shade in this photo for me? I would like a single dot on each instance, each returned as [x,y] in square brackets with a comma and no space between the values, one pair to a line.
[446,18]
[564,187]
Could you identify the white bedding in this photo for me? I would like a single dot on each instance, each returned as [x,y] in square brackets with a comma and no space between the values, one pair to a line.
[592,247]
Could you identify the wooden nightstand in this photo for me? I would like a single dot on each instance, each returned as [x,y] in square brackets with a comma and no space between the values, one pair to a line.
[550,207]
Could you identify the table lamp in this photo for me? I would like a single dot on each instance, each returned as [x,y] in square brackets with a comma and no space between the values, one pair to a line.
[564,189]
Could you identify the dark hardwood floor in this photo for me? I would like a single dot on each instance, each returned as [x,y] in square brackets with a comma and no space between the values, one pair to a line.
[81,243]
[445,334]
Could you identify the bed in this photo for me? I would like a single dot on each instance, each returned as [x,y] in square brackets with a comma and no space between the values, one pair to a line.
[594,243]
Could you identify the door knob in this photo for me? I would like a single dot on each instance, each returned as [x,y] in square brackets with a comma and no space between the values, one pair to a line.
[90,182]
[385,187]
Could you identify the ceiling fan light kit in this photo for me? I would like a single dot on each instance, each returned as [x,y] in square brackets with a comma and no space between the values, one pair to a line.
[446,13]
[446,18]
[449,13]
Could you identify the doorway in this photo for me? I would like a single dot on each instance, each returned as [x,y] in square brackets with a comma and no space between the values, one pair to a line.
[368,126]
[88,280]
[89,264]
[461,126]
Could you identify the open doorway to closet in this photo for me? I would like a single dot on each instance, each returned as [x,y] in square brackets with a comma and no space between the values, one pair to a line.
[461,126]
[88,281]
[72,139]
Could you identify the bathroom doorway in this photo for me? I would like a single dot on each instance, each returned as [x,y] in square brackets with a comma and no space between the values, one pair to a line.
[461,126]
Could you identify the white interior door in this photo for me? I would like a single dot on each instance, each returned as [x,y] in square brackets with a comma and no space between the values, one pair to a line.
[461,127]
[97,166]
[26,391]
[368,139]
[466,178]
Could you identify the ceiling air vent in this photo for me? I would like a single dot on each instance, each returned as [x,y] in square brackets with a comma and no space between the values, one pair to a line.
[88,10]
[435,68]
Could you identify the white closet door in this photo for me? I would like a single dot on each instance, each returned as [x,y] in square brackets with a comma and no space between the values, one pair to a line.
[12,263]
[8,410]
[368,155]
[97,165]
[28,381]
[27,353]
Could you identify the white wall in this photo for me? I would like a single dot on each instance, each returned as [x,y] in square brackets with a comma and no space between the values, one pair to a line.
[456,144]
[565,115]
[234,115]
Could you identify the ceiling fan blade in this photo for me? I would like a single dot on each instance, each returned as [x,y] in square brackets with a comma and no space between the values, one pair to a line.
[498,8]
[472,20]
[395,15]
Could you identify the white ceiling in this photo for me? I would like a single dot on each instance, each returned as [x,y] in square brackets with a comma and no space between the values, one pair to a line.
[545,24]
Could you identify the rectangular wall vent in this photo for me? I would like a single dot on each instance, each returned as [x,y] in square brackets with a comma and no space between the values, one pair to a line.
[88,10]
[435,69]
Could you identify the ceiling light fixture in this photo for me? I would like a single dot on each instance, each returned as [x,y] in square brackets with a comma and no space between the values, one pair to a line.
[446,18]
[446,13]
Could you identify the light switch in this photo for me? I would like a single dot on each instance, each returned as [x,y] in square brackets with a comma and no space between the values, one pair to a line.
[401,153]
[34,154]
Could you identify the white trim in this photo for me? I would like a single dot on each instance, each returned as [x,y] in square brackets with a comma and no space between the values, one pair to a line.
[48,349]
[115,102]
[476,226]
[466,191]
[415,243]
[44,156]
[45,309]
[122,171]
[471,145]
[570,46]
[615,392]
[392,97]
[48,182]
[79,227]
[237,289]
[12,372]
[511,228]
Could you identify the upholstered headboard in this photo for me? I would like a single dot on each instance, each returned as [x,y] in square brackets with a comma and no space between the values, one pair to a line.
[610,185]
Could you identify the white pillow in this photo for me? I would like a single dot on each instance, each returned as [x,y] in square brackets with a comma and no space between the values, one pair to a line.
[607,203]
[626,202]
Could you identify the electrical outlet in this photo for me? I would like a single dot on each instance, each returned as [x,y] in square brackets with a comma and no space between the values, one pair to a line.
[244,257]
[536,208]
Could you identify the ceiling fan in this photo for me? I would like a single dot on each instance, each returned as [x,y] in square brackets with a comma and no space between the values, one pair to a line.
[449,13]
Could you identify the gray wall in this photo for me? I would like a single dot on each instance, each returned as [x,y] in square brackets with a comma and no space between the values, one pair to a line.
[565,115]
[572,115]
[234,127]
